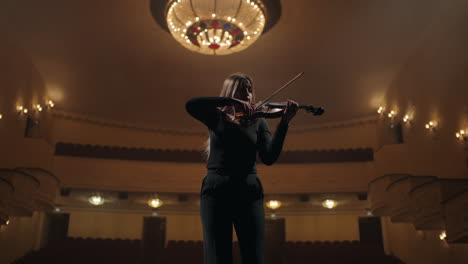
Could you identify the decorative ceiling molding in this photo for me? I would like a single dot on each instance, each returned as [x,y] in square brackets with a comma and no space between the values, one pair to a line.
[195,132]
[178,155]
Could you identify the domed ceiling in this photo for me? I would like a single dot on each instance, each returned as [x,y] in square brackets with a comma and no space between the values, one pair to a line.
[110,59]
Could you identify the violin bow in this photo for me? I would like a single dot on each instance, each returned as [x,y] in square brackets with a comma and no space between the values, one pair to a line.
[279,90]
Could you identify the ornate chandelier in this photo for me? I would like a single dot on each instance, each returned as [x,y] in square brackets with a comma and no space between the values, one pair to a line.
[216,27]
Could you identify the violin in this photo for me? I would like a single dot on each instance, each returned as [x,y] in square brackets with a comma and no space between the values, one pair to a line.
[275,110]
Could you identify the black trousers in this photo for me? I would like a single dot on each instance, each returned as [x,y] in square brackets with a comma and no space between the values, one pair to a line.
[228,198]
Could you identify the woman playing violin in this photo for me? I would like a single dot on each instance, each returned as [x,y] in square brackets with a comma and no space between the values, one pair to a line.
[231,192]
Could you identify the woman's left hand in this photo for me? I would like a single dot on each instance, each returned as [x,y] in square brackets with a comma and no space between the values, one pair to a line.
[289,112]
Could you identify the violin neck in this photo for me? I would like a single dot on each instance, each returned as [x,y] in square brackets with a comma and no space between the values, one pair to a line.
[279,105]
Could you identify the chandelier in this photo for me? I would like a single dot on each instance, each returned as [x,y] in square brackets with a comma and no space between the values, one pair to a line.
[216,27]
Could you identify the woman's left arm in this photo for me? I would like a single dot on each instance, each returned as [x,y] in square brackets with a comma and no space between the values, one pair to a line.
[270,148]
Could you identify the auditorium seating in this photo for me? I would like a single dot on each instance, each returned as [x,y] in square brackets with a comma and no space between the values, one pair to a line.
[123,251]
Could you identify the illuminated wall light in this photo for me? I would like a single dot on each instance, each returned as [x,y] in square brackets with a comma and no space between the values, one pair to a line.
[391,114]
[38,107]
[330,204]
[461,135]
[380,110]
[155,203]
[442,235]
[273,204]
[431,125]
[50,103]
[96,200]
[1,116]
[406,119]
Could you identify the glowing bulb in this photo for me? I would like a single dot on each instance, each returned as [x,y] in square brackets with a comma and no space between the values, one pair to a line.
[25,110]
[406,118]
[427,126]
[329,204]
[233,20]
[442,235]
[7,222]
[1,116]
[273,204]
[96,200]
[197,19]
[155,202]
[213,15]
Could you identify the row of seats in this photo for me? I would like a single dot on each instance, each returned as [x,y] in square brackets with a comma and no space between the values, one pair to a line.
[122,251]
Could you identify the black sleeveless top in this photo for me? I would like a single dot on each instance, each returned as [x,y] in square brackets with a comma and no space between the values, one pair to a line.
[234,147]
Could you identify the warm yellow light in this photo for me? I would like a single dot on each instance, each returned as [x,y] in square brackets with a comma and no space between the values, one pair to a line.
[406,118]
[1,116]
[329,203]
[25,110]
[50,103]
[273,204]
[442,235]
[155,202]
[96,200]
[460,134]
[223,35]
[7,222]
[380,110]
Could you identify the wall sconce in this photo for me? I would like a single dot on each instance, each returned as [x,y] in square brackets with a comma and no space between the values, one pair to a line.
[407,119]
[1,116]
[21,109]
[442,235]
[273,205]
[391,114]
[50,103]
[381,110]
[461,135]
[96,200]
[37,108]
[155,203]
[330,204]
[431,125]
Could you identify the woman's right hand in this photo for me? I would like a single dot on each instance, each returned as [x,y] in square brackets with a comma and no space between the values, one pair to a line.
[246,107]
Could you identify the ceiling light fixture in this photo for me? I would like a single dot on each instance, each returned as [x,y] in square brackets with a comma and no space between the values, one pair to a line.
[215,27]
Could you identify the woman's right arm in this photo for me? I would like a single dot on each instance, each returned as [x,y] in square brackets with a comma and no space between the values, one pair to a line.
[206,109]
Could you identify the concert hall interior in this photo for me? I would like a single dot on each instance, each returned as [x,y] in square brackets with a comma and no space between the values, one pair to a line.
[100,161]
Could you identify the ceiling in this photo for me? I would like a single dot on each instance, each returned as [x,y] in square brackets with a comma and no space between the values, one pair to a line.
[110,59]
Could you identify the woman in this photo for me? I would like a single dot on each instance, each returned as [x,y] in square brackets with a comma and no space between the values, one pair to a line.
[231,192]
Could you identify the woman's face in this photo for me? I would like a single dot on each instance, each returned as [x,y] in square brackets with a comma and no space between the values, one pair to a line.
[244,92]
